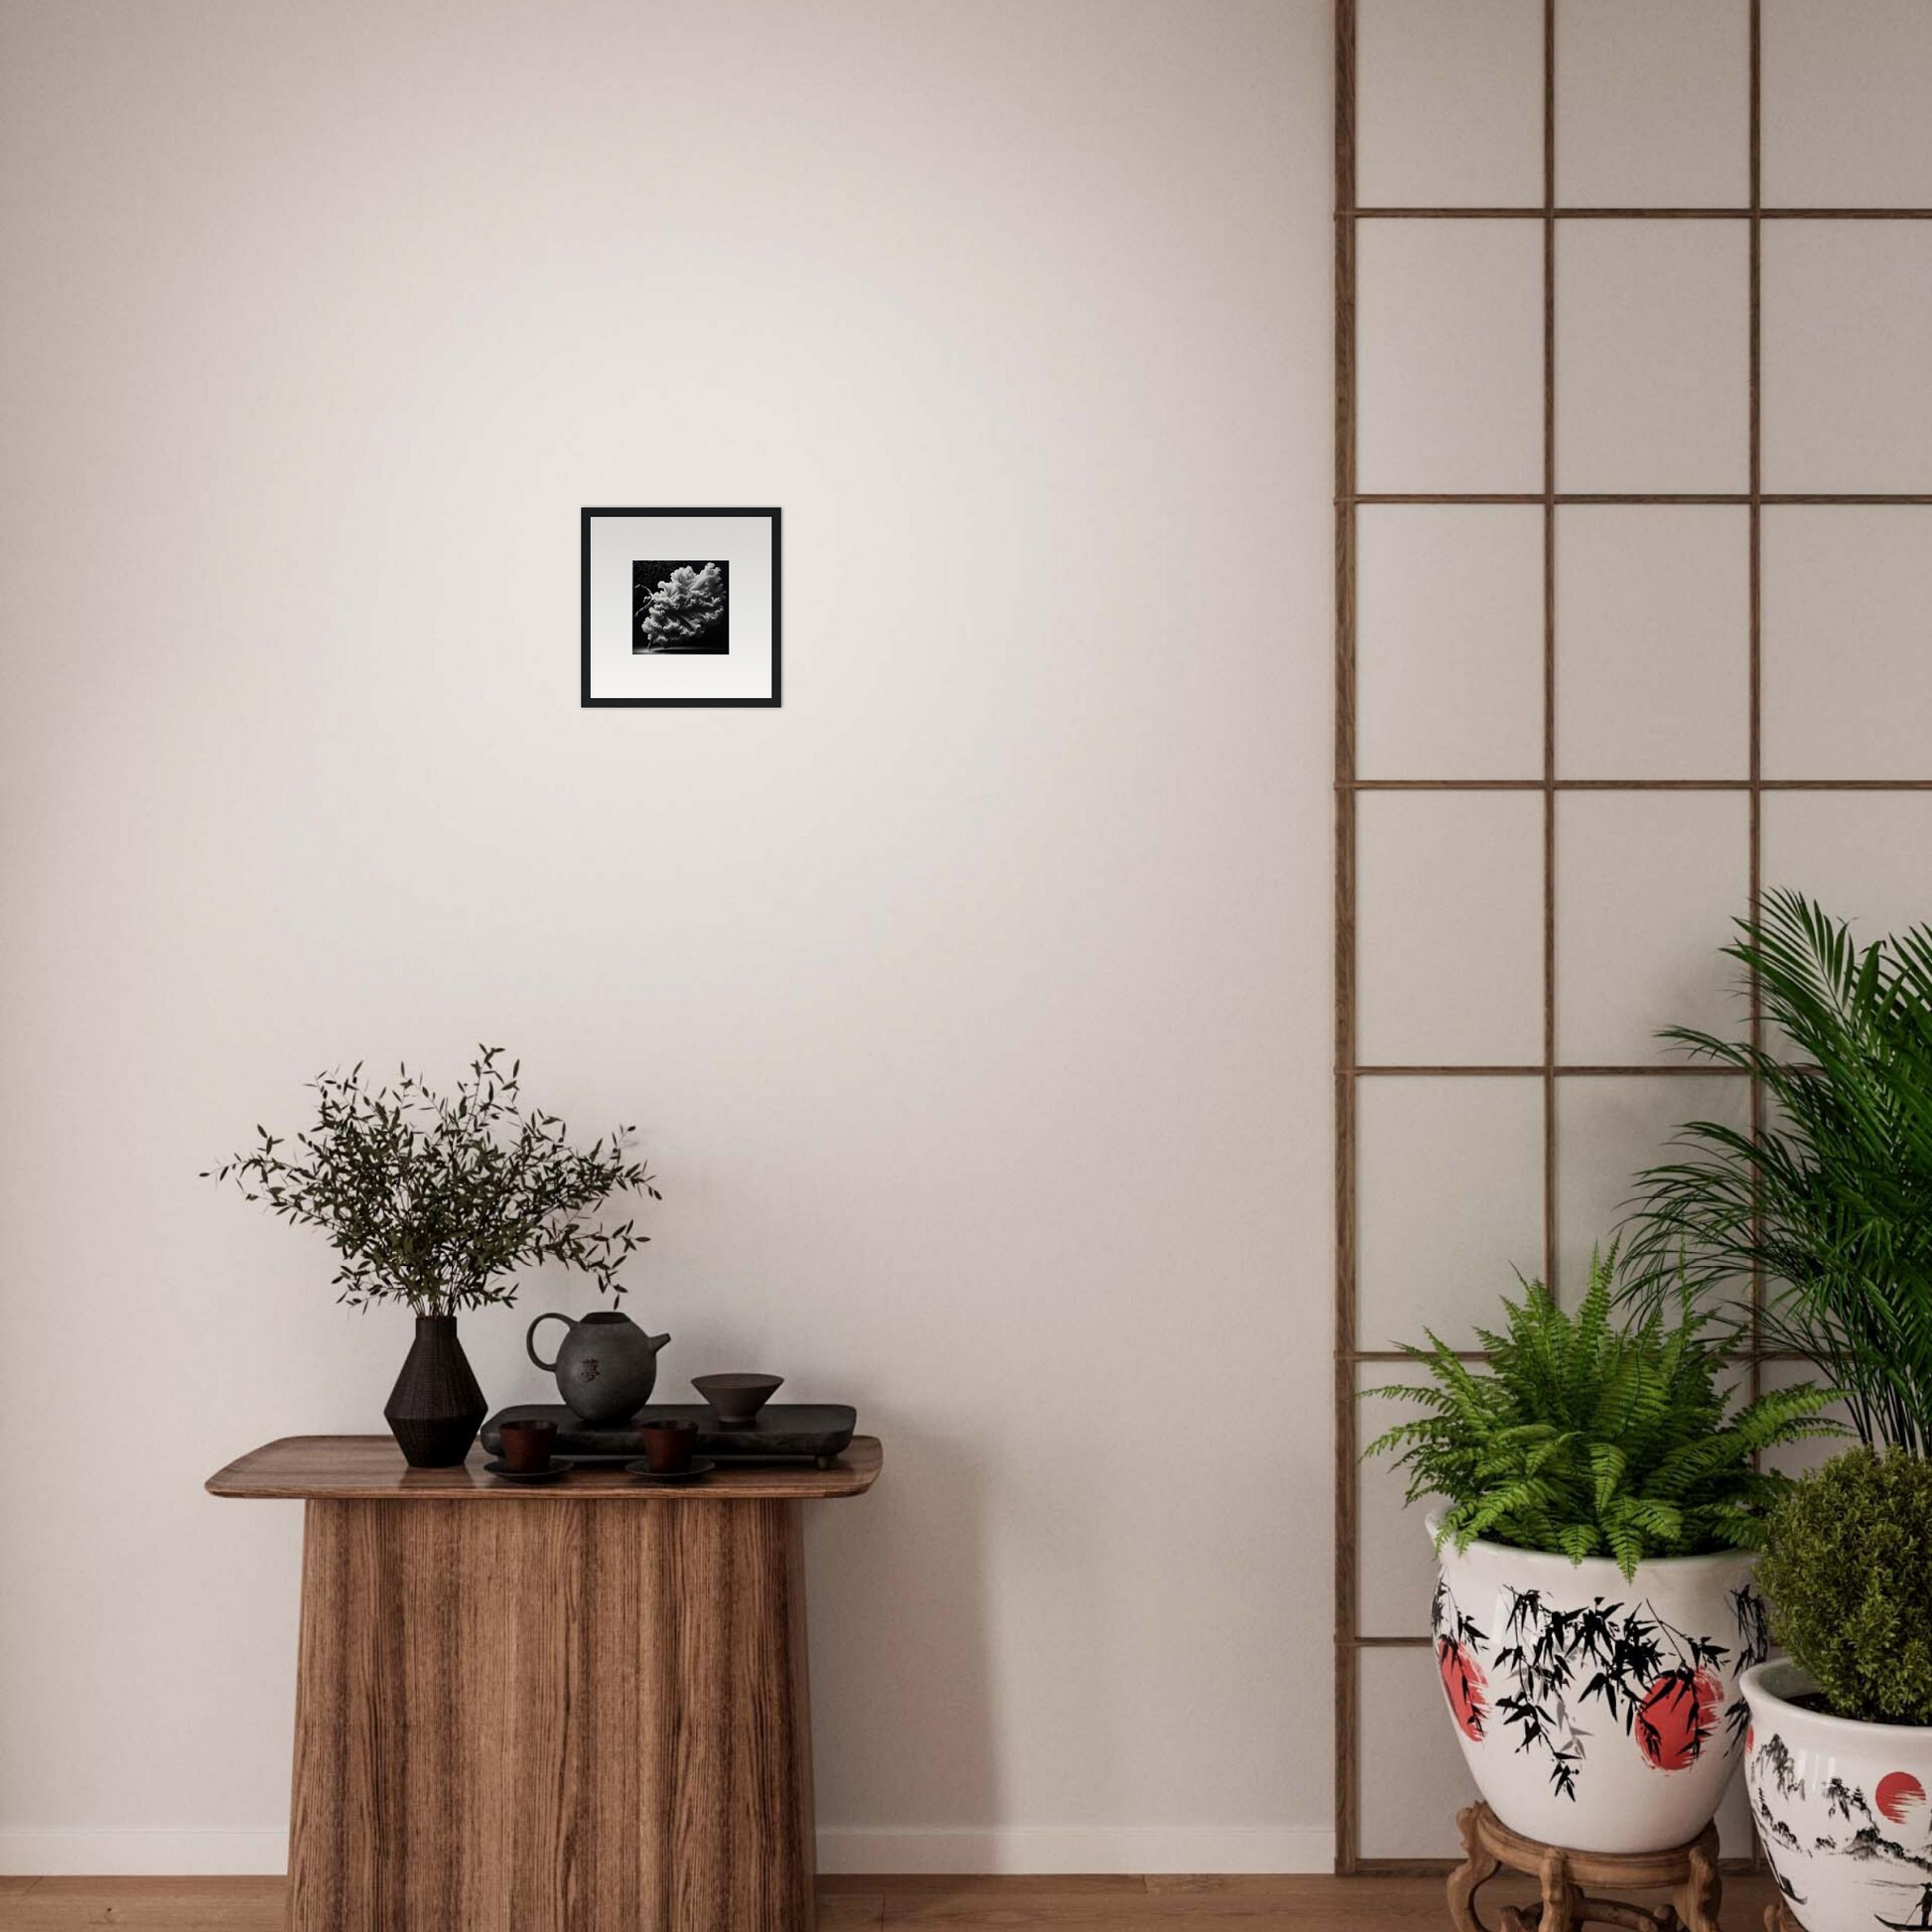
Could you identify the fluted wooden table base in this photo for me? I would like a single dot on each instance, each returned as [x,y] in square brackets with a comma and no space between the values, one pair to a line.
[567,1717]
[571,1708]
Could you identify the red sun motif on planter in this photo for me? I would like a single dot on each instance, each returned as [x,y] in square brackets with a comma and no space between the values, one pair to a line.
[1463,1684]
[1678,1713]
[1898,1795]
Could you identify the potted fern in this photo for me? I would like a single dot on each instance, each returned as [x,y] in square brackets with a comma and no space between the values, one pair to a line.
[1600,1507]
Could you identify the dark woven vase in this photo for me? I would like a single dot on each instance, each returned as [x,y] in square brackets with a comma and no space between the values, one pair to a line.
[436,1406]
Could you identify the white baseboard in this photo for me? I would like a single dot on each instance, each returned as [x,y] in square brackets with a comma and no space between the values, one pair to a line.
[1041,1848]
[142,1855]
[1020,1849]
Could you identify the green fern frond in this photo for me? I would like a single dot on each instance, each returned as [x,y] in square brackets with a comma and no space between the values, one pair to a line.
[1584,1436]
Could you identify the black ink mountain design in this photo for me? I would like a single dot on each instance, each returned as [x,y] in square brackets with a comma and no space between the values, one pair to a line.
[1865,1845]
[1776,1753]
[1841,1800]
[1869,1843]
[1775,1829]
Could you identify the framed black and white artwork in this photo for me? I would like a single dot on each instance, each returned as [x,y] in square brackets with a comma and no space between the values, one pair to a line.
[680,606]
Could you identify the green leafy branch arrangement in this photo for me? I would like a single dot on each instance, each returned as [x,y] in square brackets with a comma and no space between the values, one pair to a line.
[1588,1438]
[1829,1201]
[434,1200]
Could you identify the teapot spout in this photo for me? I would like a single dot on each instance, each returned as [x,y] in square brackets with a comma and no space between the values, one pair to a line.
[656,1343]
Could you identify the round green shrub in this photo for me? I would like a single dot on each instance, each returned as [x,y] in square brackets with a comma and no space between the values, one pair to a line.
[1848,1569]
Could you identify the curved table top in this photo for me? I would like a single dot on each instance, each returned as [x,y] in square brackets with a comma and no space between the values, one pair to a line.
[370,1469]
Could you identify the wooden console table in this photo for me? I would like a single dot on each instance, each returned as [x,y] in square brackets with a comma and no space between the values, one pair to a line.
[574,1708]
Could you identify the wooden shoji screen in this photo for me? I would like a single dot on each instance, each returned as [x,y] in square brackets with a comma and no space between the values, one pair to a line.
[1633,461]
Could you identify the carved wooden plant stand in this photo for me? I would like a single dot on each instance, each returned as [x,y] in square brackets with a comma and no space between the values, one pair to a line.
[1777,1918]
[1690,1870]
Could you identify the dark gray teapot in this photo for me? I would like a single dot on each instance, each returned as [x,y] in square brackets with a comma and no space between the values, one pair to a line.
[607,1366]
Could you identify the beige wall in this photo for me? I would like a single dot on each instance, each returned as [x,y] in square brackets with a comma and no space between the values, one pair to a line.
[975,1004]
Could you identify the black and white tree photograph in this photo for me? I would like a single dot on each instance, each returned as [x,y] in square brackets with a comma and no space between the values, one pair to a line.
[680,606]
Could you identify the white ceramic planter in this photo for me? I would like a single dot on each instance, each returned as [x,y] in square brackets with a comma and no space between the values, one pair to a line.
[1842,1809]
[1597,1712]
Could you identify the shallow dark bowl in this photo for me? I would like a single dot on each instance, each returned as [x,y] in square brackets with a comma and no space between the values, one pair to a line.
[737,1399]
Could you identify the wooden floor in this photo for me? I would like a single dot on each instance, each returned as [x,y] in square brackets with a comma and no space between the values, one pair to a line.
[958,1904]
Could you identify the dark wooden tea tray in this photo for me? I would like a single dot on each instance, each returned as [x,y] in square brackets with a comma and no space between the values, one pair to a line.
[782,1431]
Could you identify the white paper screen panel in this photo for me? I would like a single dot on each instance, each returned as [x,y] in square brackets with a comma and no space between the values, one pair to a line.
[1634,502]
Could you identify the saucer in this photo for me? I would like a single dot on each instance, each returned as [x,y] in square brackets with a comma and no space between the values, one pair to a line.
[701,1465]
[559,1466]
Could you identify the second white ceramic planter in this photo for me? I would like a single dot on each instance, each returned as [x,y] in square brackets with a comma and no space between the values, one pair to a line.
[1842,1808]
[1597,1712]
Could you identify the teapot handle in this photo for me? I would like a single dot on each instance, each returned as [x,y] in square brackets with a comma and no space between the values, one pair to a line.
[530,1340]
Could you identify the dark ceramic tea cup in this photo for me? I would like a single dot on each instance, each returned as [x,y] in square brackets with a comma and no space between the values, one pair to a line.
[527,1446]
[669,1445]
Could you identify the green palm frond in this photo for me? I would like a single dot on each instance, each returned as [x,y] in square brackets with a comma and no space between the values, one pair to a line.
[1829,1201]
[1583,1437]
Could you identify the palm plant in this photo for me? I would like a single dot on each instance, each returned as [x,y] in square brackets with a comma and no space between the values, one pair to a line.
[1589,1438]
[1829,1201]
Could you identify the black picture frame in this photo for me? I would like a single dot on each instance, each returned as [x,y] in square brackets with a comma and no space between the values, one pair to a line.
[589,701]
